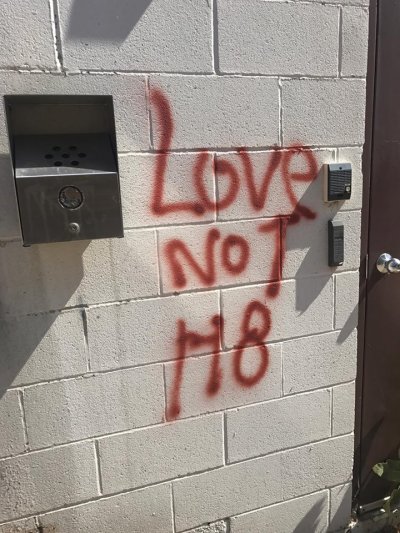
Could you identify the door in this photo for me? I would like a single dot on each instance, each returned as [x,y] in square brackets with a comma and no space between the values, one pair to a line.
[379,382]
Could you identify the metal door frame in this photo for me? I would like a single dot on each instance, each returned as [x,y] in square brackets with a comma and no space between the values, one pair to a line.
[365,225]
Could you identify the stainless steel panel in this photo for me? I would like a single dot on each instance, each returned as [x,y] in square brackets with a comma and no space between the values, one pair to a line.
[67,184]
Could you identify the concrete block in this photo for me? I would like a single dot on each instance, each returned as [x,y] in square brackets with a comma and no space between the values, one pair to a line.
[41,347]
[50,277]
[347,296]
[323,112]
[216,527]
[66,274]
[340,511]
[343,406]
[127,269]
[27,39]
[146,331]
[21,526]
[194,396]
[143,510]
[140,184]
[275,201]
[302,515]
[41,481]
[165,452]
[85,407]
[129,94]
[278,424]
[256,483]
[229,253]
[324,464]
[290,47]
[227,491]
[318,361]
[303,307]
[12,439]
[139,36]
[355,41]
[219,112]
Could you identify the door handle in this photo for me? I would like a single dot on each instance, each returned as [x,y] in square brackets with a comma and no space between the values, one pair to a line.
[386,264]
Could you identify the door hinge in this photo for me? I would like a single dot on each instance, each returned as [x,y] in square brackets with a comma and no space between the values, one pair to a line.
[366,266]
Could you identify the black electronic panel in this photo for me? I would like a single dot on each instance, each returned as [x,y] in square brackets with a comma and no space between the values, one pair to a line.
[335,243]
[338,182]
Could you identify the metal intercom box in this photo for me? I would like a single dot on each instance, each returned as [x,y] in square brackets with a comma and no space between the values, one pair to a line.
[65,167]
[337,182]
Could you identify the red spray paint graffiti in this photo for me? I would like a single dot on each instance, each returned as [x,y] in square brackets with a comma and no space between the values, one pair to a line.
[175,250]
[164,117]
[189,339]
[252,336]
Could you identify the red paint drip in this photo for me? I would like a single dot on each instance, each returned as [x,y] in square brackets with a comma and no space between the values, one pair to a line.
[274,226]
[175,400]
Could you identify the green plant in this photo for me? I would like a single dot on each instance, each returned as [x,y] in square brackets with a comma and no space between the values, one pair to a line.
[390,471]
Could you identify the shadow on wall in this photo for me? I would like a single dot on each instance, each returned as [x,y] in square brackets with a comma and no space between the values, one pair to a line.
[314,521]
[35,281]
[105,20]
[9,223]
[19,342]
[312,235]
[352,320]
[309,235]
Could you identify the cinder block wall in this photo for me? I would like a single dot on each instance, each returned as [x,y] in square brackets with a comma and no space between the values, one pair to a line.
[200,370]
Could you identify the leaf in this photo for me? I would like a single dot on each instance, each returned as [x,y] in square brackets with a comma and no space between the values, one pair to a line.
[390,470]
[394,499]
[378,469]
